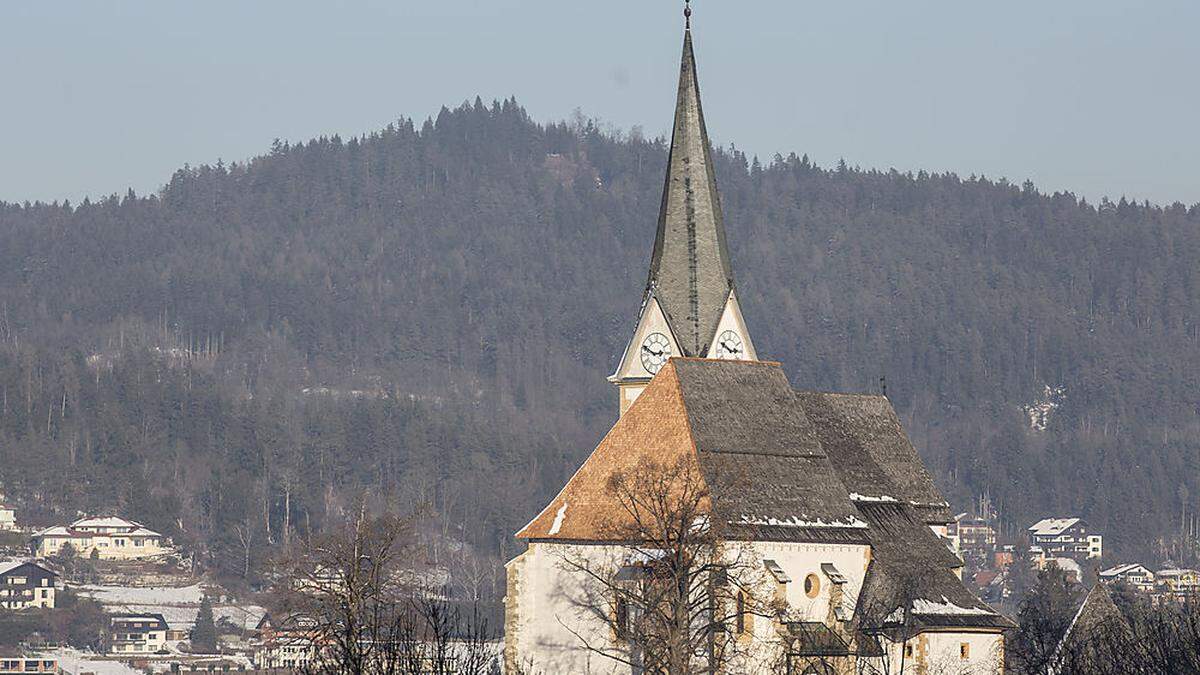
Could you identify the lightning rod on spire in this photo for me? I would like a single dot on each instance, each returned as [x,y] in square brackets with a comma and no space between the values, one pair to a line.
[687,13]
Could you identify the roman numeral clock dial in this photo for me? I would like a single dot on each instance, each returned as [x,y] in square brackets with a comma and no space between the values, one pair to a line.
[656,349]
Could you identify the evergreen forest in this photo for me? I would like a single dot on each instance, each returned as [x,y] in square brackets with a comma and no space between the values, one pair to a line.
[427,314]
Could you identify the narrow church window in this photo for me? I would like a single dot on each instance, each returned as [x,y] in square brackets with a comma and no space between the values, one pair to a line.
[740,615]
[812,585]
[621,618]
[964,650]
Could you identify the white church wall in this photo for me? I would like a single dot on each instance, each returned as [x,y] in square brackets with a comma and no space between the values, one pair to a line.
[544,623]
[963,653]
[800,560]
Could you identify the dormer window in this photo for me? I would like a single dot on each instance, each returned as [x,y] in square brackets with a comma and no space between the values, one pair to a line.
[776,571]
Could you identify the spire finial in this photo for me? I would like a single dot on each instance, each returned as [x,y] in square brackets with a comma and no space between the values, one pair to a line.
[687,13]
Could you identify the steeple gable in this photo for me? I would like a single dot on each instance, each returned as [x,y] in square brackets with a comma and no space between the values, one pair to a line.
[689,307]
[690,271]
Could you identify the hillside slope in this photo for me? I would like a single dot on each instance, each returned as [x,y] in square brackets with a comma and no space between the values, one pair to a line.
[429,312]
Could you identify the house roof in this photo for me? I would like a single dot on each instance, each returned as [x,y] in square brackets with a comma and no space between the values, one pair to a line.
[871,453]
[9,566]
[73,531]
[738,425]
[1051,527]
[158,619]
[1123,569]
[104,521]
[1095,613]
[690,270]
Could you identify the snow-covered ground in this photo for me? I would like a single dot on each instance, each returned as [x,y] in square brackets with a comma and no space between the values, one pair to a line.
[178,606]
[178,617]
[1040,410]
[128,595]
[76,661]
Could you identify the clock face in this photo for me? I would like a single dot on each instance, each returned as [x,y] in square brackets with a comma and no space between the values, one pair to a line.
[729,346]
[656,349]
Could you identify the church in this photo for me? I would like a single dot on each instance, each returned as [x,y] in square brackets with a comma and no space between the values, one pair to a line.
[818,500]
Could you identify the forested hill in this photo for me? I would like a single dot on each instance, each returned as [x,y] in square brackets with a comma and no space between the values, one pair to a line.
[429,312]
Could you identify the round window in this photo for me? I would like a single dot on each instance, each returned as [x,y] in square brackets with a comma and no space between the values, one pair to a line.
[812,585]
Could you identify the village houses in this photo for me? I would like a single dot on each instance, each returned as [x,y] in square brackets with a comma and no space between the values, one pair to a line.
[111,538]
[1178,582]
[1065,538]
[137,634]
[26,584]
[287,641]
[1136,575]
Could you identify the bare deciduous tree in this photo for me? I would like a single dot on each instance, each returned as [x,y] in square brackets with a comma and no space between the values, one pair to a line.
[674,592]
[368,610]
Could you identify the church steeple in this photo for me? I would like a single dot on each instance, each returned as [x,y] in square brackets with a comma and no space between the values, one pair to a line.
[689,307]
[690,272]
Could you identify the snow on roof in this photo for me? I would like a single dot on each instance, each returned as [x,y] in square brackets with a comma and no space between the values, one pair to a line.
[1067,565]
[72,531]
[558,519]
[7,566]
[179,617]
[76,661]
[1122,569]
[128,595]
[945,607]
[107,521]
[1175,572]
[794,521]
[1052,526]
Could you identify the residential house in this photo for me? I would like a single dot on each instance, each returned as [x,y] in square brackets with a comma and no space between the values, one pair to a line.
[1073,570]
[8,518]
[25,584]
[137,634]
[1178,581]
[110,537]
[1138,576]
[1066,538]
[287,641]
[823,490]
[975,536]
[13,662]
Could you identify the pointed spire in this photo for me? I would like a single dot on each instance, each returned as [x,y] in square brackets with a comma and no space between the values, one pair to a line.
[690,272]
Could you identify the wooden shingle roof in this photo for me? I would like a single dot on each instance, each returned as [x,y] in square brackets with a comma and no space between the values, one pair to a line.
[872,454]
[738,425]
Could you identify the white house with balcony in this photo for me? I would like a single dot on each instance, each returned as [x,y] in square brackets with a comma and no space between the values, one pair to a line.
[1065,538]
[1136,575]
[110,537]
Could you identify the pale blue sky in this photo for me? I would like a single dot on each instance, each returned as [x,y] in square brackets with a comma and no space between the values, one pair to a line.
[1099,97]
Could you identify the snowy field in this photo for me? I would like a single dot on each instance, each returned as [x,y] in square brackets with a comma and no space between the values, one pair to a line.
[178,606]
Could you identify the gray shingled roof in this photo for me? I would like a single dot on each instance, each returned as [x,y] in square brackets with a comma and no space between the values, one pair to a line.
[911,567]
[872,454]
[759,453]
[690,271]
